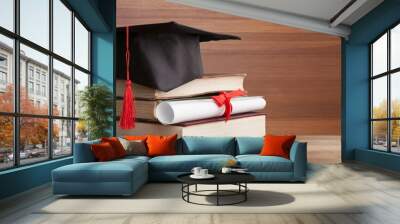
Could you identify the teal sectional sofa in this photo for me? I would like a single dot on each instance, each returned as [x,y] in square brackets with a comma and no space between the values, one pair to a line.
[125,176]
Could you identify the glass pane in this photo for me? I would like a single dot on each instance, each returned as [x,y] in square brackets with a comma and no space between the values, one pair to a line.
[34,97]
[395,136]
[395,47]
[379,98]
[379,55]
[62,89]
[34,16]
[6,74]
[62,138]
[379,135]
[7,14]
[395,94]
[62,29]
[81,81]
[81,131]
[81,45]
[6,142]
[33,139]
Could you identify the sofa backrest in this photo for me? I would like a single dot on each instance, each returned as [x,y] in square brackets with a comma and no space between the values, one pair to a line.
[249,145]
[83,153]
[192,145]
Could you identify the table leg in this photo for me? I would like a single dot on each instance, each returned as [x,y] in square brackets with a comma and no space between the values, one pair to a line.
[217,194]
[188,190]
[245,193]
[182,190]
[195,188]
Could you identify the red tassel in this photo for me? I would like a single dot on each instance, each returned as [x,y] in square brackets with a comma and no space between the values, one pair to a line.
[224,98]
[128,113]
[127,118]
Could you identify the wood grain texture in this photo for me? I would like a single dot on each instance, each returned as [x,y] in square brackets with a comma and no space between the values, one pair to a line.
[322,149]
[297,71]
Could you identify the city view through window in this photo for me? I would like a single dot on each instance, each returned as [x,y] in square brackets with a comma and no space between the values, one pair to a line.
[39,113]
[385,91]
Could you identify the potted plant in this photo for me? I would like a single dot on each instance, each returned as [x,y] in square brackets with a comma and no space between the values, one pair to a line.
[96,103]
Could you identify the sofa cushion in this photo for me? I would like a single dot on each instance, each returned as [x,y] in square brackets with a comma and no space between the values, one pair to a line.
[249,145]
[275,145]
[158,145]
[116,145]
[112,171]
[257,163]
[103,152]
[185,163]
[134,147]
[195,145]
[135,137]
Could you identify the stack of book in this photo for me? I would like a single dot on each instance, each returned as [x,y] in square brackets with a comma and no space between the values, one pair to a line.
[147,99]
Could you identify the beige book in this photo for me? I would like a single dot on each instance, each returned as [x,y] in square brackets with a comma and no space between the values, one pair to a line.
[208,84]
[242,126]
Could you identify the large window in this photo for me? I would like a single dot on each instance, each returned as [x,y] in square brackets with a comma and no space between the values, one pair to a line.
[385,91]
[44,64]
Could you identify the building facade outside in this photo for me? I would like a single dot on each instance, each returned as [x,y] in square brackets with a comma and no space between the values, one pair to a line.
[34,82]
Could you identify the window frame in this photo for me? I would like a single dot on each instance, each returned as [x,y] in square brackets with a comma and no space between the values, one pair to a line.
[388,74]
[16,114]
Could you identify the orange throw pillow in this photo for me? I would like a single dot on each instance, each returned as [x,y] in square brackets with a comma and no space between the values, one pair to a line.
[103,152]
[116,145]
[161,145]
[135,138]
[277,145]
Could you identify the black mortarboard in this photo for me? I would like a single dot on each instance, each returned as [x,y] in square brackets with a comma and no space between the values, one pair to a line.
[164,55]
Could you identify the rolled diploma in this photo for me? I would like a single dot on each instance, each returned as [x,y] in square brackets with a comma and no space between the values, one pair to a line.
[172,112]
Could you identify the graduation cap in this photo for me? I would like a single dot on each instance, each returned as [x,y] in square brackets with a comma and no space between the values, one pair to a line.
[164,55]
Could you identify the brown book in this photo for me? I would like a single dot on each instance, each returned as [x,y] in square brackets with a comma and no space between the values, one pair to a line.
[246,124]
[208,84]
[145,109]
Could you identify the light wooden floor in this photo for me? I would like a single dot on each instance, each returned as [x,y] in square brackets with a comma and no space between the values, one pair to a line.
[378,188]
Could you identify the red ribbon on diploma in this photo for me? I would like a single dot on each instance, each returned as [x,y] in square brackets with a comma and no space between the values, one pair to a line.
[224,98]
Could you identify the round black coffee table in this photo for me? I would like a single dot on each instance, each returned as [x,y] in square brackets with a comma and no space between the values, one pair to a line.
[238,179]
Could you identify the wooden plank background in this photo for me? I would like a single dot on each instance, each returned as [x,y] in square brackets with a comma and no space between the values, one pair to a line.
[298,71]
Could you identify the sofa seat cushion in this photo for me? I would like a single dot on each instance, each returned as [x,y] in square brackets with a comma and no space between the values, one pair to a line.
[113,171]
[257,163]
[133,157]
[185,163]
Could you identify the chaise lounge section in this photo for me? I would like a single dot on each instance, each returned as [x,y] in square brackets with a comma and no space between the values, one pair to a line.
[125,176]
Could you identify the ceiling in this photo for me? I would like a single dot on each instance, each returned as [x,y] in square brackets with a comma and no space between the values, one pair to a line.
[319,9]
[334,17]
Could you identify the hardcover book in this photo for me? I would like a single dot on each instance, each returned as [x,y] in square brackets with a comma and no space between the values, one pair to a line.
[247,124]
[207,84]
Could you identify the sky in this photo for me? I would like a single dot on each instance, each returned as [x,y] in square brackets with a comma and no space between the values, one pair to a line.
[35,27]
[380,66]
[395,45]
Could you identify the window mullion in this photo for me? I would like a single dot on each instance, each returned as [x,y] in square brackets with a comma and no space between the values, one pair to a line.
[73,82]
[389,101]
[50,81]
[16,84]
